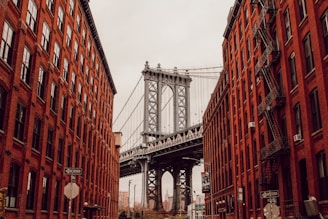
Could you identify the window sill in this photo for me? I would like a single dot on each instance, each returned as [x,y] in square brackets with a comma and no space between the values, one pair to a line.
[310,74]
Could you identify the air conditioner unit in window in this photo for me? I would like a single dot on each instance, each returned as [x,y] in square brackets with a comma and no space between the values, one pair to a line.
[251,125]
[297,137]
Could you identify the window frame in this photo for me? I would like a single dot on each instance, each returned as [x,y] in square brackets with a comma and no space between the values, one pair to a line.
[45,193]
[53,97]
[60,18]
[30,190]
[36,133]
[302,9]
[298,119]
[50,139]
[288,27]
[322,174]
[45,40]
[7,41]
[292,70]
[13,185]
[40,86]
[315,110]
[324,24]
[308,53]
[3,100]
[31,16]
[20,122]
[26,66]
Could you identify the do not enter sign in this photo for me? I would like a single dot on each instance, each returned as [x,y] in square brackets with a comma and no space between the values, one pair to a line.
[71,190]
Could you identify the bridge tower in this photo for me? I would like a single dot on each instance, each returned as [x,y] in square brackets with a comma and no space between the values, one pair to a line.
[155,80]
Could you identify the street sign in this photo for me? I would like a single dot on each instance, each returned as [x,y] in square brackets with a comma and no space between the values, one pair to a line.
[270,194]
[71,190]
[73,171]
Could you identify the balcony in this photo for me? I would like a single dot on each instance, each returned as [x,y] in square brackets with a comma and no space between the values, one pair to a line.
[276,148]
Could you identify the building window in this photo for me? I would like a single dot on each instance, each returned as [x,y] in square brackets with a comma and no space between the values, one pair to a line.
[308,54]
[315,110]
[31,183]
[88,49]
[31,14]
[50,143]
[26,66]
[60,19]
[63,108]
[65,69]
[87,74]
[53,97]
[71,116]
[13,181]
[246,16]
[248,48]
[292,70]
[68,156]
[20,122]
[68,35]
[56,198]
[3,97]
[45,37]
[78,22]
[60,151]
[85,102]
[288,28]
[71,7]
[83,36]
[40,88]
[81,63]
[324,23]
[302,9]
[80,93]
[45,193]
[73,83]
[56,55]
[6,47]
[323,175]
[50,5]
[79,128]
[36,133]
[298,119]
[76,50]
[17,3]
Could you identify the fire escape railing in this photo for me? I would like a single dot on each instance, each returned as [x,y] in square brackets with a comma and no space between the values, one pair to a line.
[261,30]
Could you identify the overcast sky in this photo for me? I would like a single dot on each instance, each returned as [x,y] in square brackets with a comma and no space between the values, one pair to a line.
[174,33]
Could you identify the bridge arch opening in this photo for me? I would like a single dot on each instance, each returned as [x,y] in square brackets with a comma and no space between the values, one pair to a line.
[167,120]
[167,190]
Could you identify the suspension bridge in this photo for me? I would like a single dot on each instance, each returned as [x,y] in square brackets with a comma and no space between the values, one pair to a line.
[161,123]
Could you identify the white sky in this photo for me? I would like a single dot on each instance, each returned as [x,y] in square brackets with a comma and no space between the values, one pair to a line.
[174,33]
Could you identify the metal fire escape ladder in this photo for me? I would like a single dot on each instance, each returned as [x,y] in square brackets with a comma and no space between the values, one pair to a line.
[261,30]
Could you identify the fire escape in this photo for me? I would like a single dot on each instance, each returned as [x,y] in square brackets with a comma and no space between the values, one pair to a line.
[274,99]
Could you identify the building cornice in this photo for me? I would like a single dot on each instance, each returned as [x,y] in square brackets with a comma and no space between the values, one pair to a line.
[233,13]
[94,32]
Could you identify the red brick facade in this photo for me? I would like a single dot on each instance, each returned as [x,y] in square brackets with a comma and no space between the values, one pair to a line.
[56,111]
[264,127]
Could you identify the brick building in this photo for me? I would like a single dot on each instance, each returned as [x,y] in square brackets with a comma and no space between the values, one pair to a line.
[264,131]
[56,109]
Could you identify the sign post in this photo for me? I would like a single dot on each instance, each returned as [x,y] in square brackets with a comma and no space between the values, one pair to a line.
[71,190]
[271,210]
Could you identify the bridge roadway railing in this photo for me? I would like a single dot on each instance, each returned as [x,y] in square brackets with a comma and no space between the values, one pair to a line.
[165,142]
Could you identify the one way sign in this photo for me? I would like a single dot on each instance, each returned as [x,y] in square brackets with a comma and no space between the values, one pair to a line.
[73,171]
[270,194]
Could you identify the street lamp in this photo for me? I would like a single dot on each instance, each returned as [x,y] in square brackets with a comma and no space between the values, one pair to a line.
[210,176]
